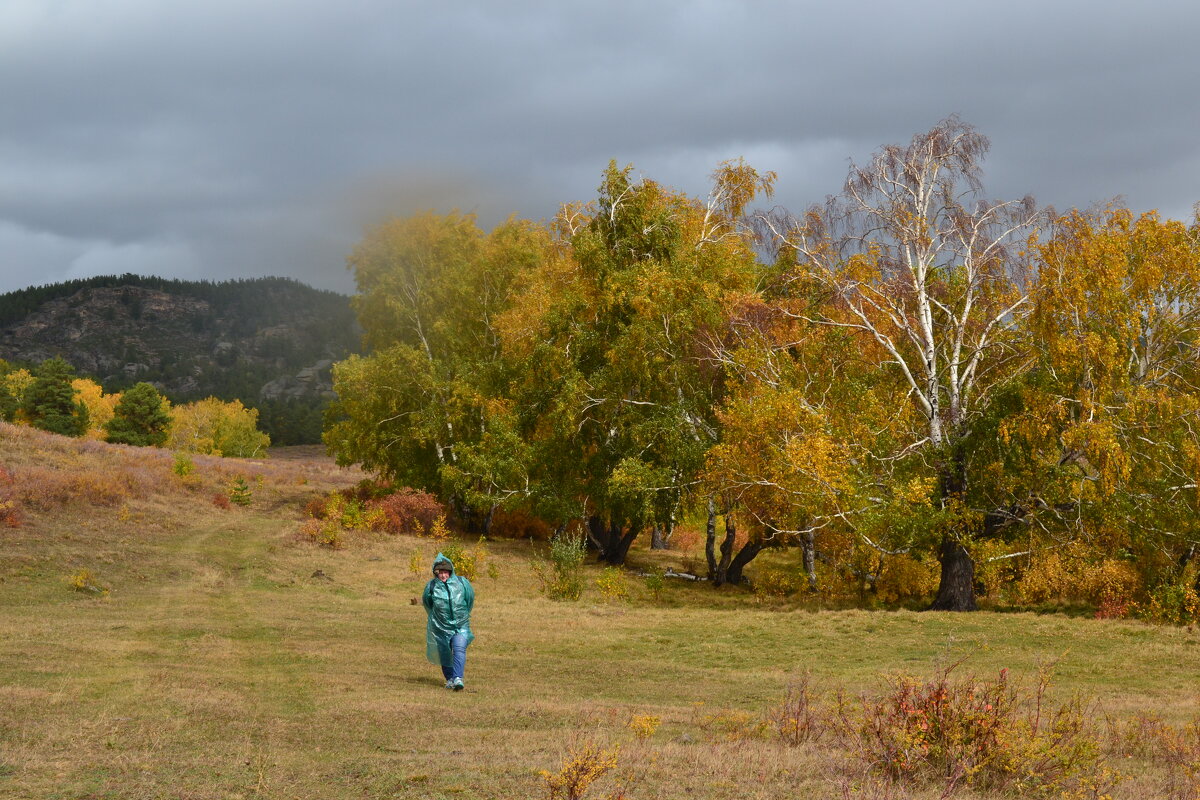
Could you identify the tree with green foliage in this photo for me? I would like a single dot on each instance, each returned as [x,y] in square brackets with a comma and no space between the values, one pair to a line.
[427,407]
[9,402]
[50,403]
[618,393]
[140,418]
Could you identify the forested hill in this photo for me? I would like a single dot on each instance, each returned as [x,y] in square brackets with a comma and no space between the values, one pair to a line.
[268,342]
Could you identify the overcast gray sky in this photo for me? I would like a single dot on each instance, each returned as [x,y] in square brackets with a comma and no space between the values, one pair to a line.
[241,138]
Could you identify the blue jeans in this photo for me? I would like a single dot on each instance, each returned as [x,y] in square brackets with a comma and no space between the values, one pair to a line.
[458,649]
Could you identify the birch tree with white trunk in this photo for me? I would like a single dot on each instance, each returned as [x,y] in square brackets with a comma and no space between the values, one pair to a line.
[913,257]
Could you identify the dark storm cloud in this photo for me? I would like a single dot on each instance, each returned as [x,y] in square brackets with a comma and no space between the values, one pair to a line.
[233,139]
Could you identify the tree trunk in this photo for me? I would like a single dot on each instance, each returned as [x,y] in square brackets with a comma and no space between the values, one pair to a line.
[667,530]
[744,556]
[721,574]
[658,541]
[956,587]
[596,534]
[710,541]
[620,542]
[472,520]
[808,546]
[612,541]
[1186,557]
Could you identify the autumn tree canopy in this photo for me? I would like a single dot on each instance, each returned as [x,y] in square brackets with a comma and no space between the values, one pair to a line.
[910,374]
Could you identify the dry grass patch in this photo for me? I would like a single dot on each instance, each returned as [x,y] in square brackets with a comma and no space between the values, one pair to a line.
[231,659]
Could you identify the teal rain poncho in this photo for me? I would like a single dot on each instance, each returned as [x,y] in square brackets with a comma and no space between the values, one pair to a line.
[449,607]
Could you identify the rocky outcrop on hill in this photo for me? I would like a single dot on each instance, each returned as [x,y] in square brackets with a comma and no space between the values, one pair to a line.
[316,380]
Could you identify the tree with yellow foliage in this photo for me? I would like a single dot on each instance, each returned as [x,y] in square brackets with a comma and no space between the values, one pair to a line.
[1113,413]
[99,405]
[217,427]
[10,400]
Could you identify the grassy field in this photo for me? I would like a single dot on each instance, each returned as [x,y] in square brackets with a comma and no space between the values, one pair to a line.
[156,645]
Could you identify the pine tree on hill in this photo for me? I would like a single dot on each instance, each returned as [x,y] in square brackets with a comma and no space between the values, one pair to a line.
[50,402]
[139,418]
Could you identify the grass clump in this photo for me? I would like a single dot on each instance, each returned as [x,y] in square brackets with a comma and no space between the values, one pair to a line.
[949,732]
[582,767]
[561,577]
[612,586]
[86,582]
[467,561]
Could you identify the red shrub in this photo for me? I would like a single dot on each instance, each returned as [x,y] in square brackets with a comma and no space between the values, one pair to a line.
[685,539]
[315,508]
[221,501]
[43,489]
[409,511]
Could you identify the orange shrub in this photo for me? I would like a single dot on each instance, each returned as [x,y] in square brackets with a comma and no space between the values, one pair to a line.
[519,525]
[315,508]
[1075,574]
[325,533]
[10,515]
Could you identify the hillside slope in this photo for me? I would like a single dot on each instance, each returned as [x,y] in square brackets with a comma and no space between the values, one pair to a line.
[268,339]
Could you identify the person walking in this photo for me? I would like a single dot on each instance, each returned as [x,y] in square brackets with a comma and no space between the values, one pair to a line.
[448,600]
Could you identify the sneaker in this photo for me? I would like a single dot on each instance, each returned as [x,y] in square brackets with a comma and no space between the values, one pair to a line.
[449,683]
[458,684]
